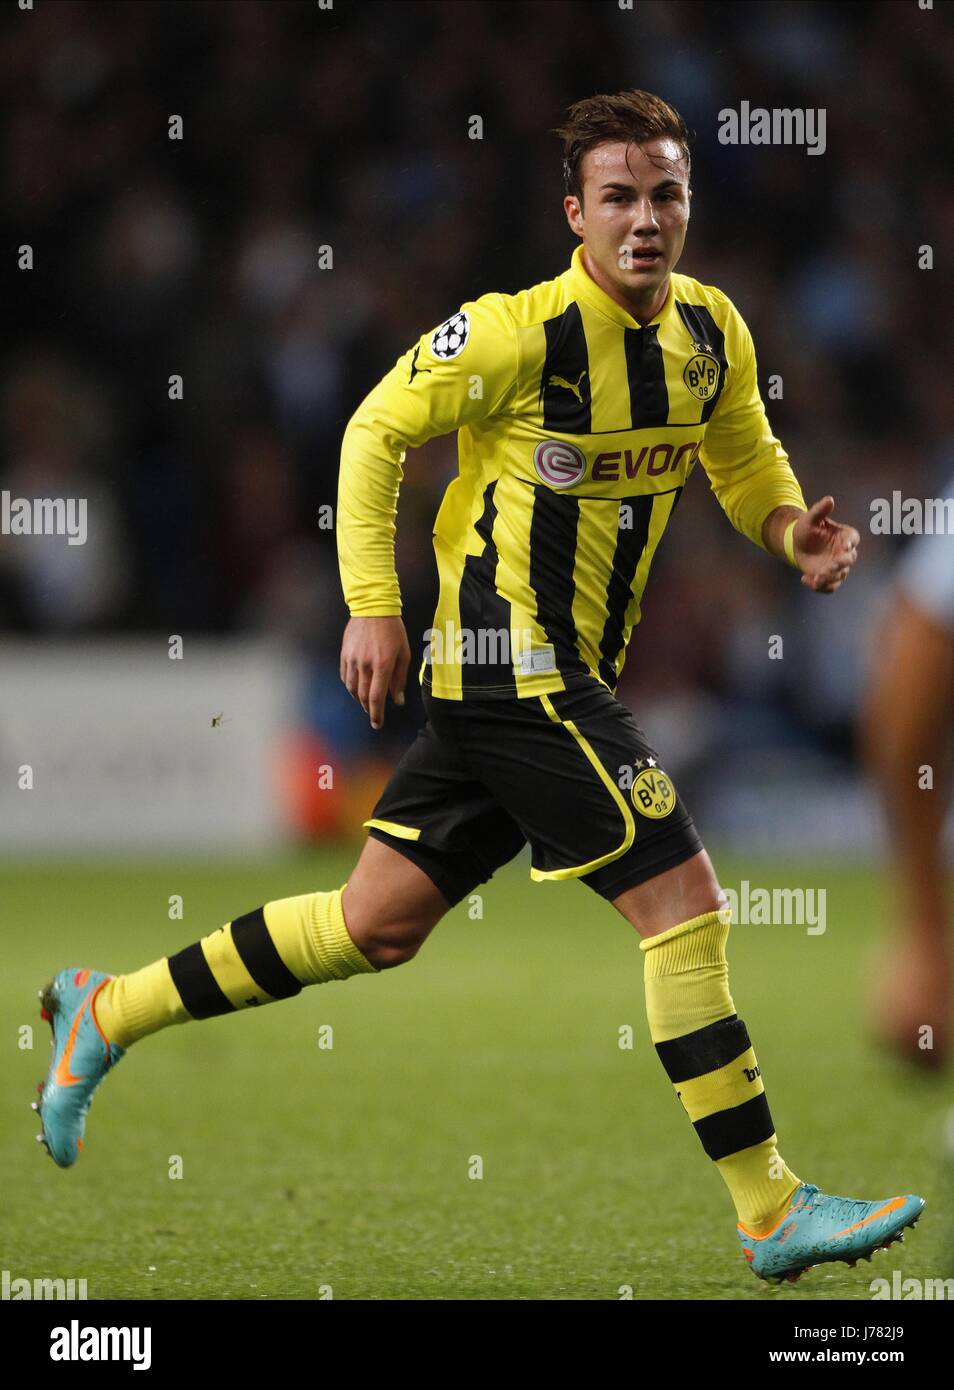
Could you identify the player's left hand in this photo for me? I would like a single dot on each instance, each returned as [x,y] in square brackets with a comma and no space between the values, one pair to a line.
[825,550]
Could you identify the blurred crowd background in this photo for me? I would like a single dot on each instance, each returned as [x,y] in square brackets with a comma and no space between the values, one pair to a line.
[306,127]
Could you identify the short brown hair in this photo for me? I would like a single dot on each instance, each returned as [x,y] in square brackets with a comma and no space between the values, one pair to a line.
[633,116]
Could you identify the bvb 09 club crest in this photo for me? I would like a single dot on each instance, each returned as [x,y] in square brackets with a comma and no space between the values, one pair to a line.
[653,794]
[702,376]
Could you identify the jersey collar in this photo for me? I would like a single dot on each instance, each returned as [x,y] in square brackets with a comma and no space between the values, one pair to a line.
[585,287]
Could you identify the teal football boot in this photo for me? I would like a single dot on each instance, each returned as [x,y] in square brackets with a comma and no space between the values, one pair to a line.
[817,1228]
[81,1058]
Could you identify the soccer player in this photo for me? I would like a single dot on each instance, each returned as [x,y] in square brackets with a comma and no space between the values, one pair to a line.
[582,406]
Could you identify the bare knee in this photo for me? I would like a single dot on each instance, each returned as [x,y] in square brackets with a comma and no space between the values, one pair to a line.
[386,938]
[400,942]
[390,906]
[689,890]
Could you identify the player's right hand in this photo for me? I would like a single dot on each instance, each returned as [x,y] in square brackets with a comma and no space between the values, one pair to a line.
[375,656]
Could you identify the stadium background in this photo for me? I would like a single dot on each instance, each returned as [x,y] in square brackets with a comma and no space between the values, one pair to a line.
[301,129]
[348,128]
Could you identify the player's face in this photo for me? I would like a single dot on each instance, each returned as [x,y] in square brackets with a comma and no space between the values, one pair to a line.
[633,219]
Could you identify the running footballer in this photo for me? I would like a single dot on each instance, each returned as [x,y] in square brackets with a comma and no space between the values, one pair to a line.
[582,405]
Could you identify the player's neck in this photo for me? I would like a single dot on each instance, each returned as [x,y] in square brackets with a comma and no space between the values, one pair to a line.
[642,307]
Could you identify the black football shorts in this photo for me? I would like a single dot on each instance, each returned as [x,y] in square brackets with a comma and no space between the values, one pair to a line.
[571,772]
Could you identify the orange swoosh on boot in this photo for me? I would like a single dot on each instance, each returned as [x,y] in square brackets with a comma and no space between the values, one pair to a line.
[63,1076]
[882,1211]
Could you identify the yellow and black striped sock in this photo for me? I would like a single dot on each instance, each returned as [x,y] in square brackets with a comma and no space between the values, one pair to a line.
[266,955]
[705,1049]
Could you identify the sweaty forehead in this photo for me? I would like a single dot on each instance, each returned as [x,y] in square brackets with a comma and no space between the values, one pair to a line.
[618,162]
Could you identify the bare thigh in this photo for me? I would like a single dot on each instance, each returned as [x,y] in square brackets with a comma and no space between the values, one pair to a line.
[390,905]
[679,894]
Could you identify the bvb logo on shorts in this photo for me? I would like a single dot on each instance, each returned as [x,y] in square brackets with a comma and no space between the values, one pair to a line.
[702,376]
[653,794]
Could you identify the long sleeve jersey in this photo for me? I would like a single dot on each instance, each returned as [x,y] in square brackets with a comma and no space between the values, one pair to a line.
[577,430]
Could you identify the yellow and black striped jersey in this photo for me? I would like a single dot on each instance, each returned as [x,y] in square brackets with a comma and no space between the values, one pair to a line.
[577,431]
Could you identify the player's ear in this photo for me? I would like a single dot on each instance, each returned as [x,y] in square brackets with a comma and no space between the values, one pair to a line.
[574,213]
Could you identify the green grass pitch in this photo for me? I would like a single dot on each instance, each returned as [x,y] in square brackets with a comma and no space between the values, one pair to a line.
[306,1168]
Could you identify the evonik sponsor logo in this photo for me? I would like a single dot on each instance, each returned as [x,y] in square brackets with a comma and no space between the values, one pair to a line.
[661,458]
[563,465]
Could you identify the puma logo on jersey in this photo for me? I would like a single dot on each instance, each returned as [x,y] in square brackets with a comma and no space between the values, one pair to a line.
[415,369]
[569,386]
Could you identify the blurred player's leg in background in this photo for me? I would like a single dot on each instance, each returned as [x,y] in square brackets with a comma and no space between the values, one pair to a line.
[907,743]
[906,737]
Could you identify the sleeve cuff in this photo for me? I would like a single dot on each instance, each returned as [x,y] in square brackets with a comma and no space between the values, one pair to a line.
[375,610]
[789,543]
